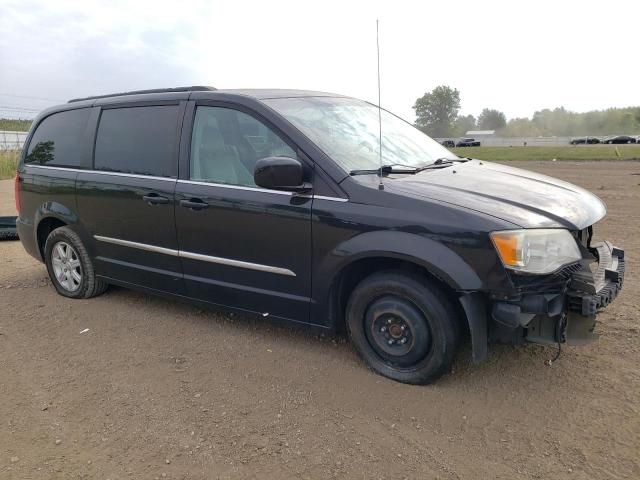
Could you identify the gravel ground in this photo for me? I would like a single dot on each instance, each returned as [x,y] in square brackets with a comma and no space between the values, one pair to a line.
[158,389]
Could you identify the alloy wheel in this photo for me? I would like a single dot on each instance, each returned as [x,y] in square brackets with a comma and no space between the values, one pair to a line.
[66,266]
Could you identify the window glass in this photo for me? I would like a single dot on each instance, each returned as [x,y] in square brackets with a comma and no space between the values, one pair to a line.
[59,139]
[227,143]
[140,140]
[348,130]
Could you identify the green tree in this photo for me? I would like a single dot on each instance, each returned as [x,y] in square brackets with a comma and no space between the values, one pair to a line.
[562,122]
[437,110]
[521,127]
[463,124]
[491,119]
[41,153]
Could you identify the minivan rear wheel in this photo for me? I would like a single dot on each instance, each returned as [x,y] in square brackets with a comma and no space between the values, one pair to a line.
[403,326]
[69,266]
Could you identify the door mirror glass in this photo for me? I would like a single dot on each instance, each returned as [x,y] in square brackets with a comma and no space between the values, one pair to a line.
[280,173]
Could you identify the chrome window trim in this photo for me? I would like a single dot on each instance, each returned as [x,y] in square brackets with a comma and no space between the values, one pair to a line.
[331,199]
[234,187]
[196,256]
[189,182]
[47,167]
[103,172]
[258,189]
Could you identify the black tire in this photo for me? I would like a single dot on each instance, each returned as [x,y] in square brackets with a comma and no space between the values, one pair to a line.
[88,286]
[424,349]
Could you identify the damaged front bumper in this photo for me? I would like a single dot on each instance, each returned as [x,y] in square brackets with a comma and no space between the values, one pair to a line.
[563,309]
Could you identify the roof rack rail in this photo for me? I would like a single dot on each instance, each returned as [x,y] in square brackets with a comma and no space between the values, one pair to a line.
[195,88]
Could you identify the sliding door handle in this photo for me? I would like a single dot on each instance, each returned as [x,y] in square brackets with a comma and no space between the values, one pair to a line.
[194,204]
[155,199]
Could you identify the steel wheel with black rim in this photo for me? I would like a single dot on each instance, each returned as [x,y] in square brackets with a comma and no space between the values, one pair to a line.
[403,326]
[69,265]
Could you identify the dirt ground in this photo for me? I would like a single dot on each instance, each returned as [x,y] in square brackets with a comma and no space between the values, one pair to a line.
[158,389]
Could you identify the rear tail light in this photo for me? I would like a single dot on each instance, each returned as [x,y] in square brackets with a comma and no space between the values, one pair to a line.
[17,192]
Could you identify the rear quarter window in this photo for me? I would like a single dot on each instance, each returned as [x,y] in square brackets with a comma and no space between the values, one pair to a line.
[138,140]
[59,140]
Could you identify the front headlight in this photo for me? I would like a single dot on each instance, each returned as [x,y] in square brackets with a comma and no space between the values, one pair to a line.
[536,251]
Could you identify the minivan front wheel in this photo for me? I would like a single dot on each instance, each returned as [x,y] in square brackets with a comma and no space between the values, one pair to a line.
[69,266]
[403,326]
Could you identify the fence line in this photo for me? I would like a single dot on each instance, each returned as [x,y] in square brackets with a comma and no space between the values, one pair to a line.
[12,140]
[517,141]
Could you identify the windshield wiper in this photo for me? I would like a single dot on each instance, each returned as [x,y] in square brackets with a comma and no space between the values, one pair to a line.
[441,163]
[385,170]
[408,169]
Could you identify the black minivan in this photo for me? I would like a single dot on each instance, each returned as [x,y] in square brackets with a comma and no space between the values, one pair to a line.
[290,205]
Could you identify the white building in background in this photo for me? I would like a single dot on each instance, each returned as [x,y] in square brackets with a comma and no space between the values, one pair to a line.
[477,134]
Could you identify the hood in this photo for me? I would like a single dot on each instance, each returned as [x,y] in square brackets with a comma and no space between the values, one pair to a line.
[521,197]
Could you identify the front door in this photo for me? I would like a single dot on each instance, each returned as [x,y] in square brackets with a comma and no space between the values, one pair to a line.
[240,245]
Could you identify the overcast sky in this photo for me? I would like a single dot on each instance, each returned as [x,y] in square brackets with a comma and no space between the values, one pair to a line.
[516,56]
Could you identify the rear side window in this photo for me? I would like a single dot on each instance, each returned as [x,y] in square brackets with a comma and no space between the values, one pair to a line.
[140,140]
[59,140]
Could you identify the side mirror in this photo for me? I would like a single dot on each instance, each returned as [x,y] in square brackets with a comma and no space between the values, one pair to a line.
[280,173]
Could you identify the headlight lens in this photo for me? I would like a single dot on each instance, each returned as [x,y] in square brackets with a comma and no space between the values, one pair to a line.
[536,251]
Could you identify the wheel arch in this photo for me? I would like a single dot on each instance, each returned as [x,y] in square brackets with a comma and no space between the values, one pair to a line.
[395,251]
[45,226]
[353,273]
[48,217]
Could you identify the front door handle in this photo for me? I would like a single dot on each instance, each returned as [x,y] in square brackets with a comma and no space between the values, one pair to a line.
[155,199]
[194,204]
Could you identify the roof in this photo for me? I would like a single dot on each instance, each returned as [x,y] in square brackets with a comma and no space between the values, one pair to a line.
[265,93]
[260,94]
[195,88]
[481,132]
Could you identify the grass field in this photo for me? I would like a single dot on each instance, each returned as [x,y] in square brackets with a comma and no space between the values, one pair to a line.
[8,163]
[576,153]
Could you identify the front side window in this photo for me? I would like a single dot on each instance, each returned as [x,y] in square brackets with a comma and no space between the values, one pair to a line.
[226,144]
[59,140]
[348,130]
[138,140]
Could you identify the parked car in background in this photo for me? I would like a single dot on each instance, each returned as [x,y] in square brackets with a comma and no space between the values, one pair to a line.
[619,139]
[468,142]
[584,140]
[448,143]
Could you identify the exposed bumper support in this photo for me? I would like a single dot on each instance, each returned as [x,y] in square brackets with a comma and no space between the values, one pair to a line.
[592,291]
[568,314]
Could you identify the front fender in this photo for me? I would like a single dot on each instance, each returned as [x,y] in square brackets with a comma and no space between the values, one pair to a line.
[436,257]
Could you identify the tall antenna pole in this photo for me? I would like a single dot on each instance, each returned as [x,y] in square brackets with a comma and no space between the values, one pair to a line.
[380,186]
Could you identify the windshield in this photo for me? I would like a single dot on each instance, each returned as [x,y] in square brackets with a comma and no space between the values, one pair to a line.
[347,130]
